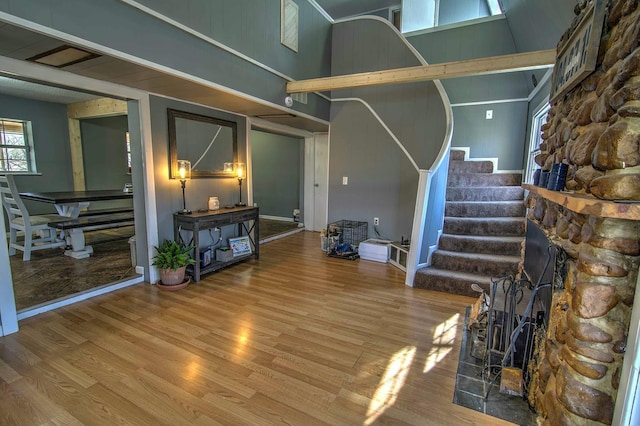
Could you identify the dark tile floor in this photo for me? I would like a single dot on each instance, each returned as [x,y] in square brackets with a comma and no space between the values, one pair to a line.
[471,388]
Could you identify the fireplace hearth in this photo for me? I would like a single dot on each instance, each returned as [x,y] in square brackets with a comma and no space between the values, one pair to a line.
[502,336]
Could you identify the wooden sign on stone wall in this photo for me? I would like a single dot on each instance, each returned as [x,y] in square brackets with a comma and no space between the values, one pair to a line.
[577,56]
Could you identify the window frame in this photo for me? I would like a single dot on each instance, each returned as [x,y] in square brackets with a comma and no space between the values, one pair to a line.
[538,118]
[28,146]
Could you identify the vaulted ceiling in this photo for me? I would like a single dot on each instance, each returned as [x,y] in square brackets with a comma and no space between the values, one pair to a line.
[535,25]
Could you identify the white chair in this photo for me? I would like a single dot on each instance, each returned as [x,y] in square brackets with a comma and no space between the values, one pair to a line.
[20,220]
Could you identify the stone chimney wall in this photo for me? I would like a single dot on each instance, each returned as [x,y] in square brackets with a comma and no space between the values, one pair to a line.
[595,129]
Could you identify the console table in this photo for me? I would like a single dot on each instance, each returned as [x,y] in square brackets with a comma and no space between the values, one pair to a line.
[198,221]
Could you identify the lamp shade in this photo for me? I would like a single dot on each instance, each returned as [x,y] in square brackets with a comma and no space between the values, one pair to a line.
[184,169]
[238,169]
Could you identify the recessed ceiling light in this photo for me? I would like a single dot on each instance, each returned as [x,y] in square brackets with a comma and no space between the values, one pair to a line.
[63,56]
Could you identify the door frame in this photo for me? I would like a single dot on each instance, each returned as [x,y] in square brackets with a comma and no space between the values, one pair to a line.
[144,172]
[309,160]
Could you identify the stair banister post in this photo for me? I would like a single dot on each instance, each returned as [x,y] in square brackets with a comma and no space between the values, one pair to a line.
[419,223]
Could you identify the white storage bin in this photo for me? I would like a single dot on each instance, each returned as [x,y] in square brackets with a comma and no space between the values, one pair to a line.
[375,250]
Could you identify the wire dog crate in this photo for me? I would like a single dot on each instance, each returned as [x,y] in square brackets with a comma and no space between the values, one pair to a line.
[349,231]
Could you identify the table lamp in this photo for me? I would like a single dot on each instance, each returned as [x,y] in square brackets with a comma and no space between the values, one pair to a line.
[184,174]
[239,171]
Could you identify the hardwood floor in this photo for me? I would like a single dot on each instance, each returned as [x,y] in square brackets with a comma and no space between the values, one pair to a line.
[295,338]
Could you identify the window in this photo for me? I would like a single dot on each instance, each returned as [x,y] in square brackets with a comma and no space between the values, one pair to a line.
[539,118]
[16,146]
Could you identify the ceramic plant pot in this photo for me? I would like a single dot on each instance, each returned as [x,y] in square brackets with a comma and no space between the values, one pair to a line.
[169,277]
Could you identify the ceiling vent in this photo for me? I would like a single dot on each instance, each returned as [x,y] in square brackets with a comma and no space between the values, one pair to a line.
[63,56]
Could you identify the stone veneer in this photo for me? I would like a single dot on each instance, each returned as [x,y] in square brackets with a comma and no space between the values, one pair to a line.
[595,129]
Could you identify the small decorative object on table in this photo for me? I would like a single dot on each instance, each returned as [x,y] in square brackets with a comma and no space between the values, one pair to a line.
[240,246]
[224,254]
[172,259]
[205,257]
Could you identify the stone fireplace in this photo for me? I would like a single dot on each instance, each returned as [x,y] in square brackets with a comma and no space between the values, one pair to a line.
[595,129]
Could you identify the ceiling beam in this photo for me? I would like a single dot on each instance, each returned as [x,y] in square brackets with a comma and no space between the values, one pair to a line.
[492,65]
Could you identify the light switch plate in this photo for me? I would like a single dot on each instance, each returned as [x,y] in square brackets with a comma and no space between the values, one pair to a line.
[345,180]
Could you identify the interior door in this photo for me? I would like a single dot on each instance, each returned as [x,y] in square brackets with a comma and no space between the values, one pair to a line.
[321,181]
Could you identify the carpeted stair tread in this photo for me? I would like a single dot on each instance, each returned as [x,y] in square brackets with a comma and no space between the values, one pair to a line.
[510,246]
[476,263]
[485,193]
[484,209]
[456,154]
[484,179]
[456,166]
[508,226]
[453,282]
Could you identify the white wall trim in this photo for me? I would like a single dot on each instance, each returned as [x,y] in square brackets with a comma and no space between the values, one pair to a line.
[384,125]
[309,160]
[209,40]
[279,218]
[321,10]
[8,319]
[47,74]
[284,234]
[456,25]
[145,63]
[417,230]
[541,83]
[497,101]
[494,160]
[262,124]
[28,313]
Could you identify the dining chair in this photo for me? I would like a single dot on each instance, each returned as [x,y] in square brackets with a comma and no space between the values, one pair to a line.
[20,220]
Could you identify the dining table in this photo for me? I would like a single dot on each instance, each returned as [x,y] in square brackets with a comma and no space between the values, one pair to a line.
[69,204]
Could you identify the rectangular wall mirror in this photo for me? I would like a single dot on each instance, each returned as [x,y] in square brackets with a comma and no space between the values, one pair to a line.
[206,142]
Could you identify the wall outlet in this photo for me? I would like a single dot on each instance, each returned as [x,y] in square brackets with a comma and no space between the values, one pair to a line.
[376,221]
[345,180]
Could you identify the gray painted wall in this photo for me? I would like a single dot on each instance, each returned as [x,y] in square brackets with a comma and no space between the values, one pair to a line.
[538,25]
[462,10]
[51,144]
[249,26]
[198,191]
[503,136]
[382,181]
[277,163]
[105,157]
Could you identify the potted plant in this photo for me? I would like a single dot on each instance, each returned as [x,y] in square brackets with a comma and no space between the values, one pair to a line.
[172,259]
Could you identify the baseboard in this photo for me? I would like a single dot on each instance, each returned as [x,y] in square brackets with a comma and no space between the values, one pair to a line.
[432,249]
[284,234]
[28,313]
[282,219]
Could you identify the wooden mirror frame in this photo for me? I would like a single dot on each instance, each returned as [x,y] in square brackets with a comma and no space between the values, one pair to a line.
[172,115]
